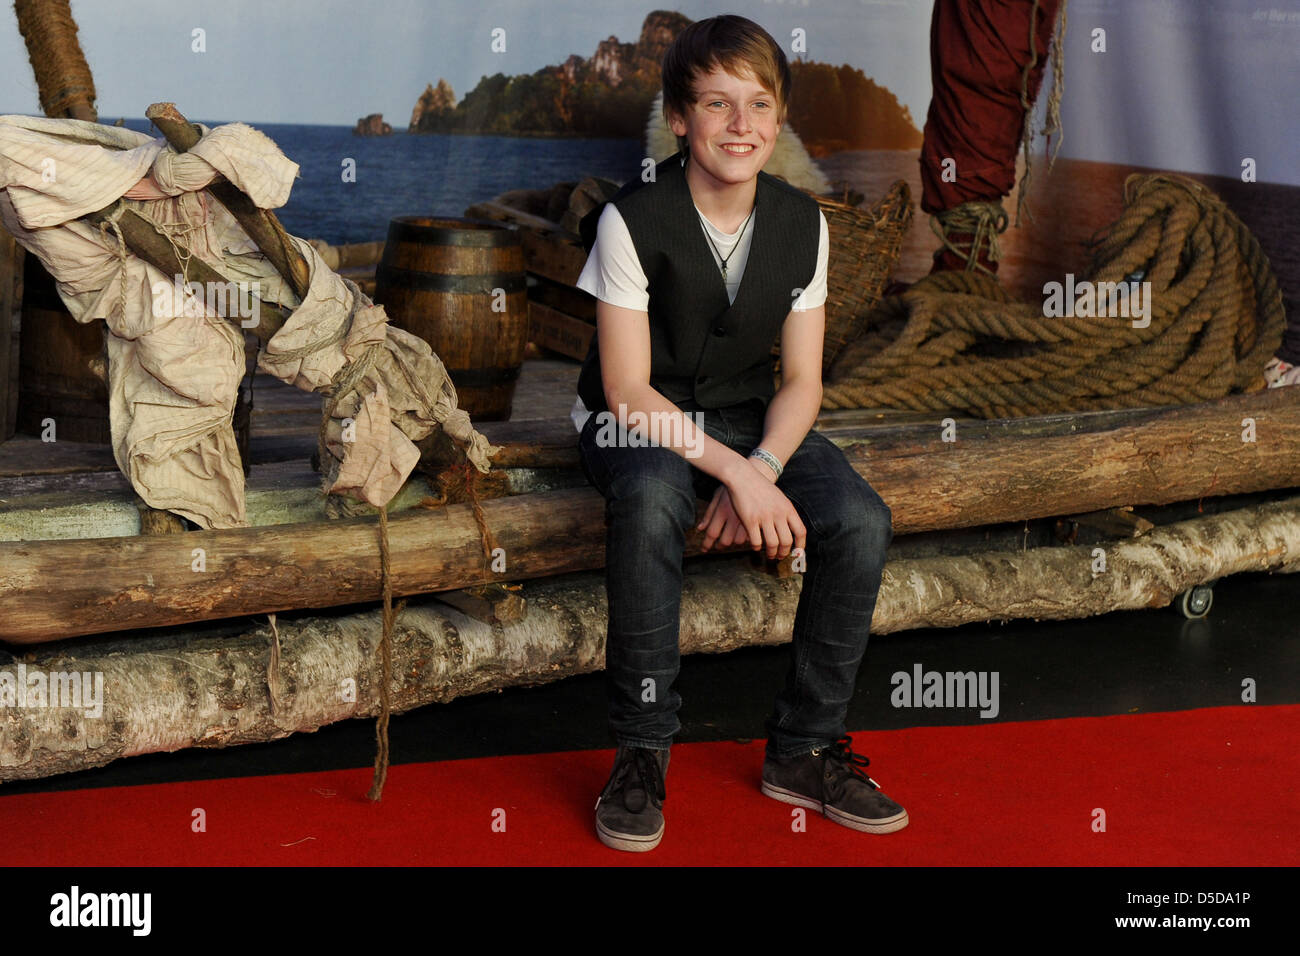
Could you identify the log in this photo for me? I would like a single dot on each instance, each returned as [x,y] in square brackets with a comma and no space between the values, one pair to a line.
[165,692]
[261,225]
[1176,454]
[147,243]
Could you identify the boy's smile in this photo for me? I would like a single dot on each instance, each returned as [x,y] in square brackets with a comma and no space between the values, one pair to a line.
[732,129]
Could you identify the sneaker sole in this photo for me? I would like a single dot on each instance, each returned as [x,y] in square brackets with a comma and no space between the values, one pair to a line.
[633,843]
[883,825]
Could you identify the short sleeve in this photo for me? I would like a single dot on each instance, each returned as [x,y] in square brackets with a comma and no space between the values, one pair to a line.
[815,294]
[613,270]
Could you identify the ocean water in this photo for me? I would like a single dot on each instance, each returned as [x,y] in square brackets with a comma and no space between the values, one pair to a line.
[403,175]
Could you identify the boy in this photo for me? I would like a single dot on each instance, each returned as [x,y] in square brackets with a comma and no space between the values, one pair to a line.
[696,271]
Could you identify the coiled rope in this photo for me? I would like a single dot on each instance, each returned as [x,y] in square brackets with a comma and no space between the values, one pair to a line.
[964,345]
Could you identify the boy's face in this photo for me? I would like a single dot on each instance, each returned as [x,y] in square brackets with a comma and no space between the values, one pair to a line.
[730,113]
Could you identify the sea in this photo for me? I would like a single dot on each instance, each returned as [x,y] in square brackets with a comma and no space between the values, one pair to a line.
[442,175]
[420,175]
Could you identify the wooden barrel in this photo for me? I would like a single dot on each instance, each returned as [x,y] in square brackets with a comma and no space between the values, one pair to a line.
[62,365]
[460,285]
[63,370]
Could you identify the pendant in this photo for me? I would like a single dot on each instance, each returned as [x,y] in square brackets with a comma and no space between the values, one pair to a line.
[724,272]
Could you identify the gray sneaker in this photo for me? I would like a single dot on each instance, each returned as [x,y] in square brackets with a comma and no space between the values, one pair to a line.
[833,780]
[629,811]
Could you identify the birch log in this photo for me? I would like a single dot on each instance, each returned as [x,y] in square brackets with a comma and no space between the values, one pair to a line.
[167,692]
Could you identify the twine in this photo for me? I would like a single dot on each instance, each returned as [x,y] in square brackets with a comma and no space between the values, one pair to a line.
[982,220]
[386,663]
[1056,50]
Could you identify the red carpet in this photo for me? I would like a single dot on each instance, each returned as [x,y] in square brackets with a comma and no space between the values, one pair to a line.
[1213,787]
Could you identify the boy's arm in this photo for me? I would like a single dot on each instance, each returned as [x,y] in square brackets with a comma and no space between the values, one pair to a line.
[794,407]
[624,336]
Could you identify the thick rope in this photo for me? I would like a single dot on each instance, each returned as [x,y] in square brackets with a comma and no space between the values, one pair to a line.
[62,75]
[1215,314]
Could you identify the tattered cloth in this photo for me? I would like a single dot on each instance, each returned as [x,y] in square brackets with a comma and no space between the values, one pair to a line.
[174,371]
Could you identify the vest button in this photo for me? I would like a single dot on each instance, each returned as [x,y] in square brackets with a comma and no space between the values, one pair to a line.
[720,330]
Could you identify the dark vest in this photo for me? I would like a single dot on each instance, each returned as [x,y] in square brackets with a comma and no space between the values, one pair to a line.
[701,346]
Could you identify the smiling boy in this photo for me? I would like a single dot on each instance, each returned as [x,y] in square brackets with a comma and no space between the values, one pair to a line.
[696,271]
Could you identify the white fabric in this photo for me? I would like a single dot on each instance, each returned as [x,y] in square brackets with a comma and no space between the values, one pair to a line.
[613,270]
[173,377]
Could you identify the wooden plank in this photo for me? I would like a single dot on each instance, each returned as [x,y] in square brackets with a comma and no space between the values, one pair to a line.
[499,212]
[562,333]
[566,299]
[557,259]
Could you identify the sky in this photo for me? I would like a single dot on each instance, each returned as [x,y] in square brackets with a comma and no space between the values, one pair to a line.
[1192,85]
[334,61]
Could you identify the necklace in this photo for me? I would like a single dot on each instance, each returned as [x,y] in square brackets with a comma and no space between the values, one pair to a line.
[739,236]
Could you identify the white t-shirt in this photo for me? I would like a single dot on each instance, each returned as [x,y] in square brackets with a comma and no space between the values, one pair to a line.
[613,270]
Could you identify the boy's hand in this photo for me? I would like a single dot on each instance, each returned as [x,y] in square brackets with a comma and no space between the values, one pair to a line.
[721,523]
[764,515]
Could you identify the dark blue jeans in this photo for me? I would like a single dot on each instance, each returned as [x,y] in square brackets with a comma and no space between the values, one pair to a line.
[650,504]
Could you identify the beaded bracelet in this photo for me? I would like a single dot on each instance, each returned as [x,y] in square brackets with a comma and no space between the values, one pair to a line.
[767,458]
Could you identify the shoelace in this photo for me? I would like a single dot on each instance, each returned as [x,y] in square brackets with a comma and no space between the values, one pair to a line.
[649,774]
[842,752]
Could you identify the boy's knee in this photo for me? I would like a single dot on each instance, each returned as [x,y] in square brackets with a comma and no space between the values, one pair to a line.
[867,519]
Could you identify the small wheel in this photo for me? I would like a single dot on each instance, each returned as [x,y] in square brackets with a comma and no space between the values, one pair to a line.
[1196,601]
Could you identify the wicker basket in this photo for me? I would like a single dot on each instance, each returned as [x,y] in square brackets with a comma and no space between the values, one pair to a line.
[865,243]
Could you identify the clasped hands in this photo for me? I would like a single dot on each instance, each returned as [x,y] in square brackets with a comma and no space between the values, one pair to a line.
[749,507]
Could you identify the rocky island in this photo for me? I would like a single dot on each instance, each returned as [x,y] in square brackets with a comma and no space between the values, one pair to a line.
[610,94]
[372,125]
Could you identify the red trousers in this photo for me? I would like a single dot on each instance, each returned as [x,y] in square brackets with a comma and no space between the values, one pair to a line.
[978,51]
